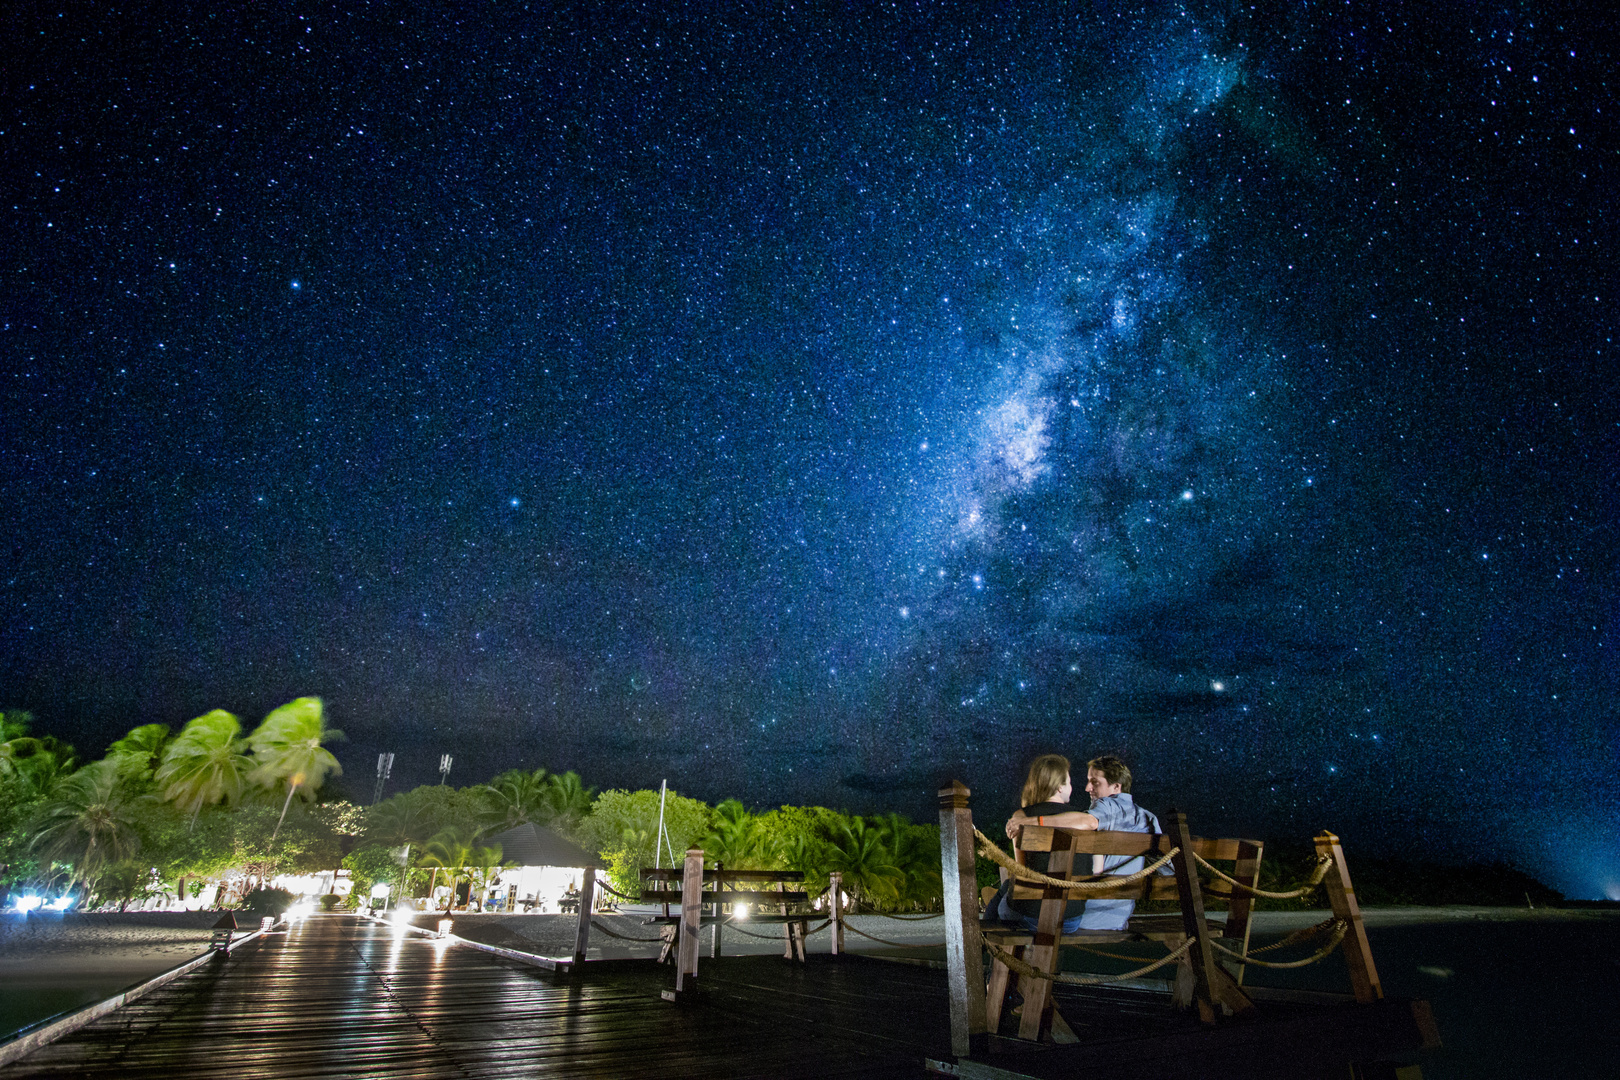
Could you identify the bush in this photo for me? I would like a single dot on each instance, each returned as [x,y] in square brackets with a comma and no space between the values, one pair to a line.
[268,901]
[330,901]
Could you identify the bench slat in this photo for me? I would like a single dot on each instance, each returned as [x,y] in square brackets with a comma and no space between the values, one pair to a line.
[1157,887]
[673,896]
[675,873]
[1101,842]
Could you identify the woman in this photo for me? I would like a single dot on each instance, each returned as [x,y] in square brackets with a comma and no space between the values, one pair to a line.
[1046,791]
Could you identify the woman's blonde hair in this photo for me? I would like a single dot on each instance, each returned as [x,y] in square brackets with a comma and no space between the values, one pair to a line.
[1046,775]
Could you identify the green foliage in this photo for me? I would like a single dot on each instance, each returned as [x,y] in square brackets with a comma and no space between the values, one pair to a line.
[623,829]
[568,801]
[288,751]
[736,839]
[371,864]
[123,883]
[29,767]
[264,901]
[205,764]
[89,822]
[860,853]
[513,798]
[416,816]
[138,755]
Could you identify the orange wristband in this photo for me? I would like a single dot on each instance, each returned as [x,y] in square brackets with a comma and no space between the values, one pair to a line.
[1038,820]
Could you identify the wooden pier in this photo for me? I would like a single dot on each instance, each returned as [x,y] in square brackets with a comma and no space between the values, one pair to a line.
[341,996]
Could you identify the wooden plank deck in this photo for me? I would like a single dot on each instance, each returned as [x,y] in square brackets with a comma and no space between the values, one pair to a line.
[338,996]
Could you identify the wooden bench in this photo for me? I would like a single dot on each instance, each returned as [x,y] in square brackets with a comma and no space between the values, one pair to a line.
[716,889]
[1200,981]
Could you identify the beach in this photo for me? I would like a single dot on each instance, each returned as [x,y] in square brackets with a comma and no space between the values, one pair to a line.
[51,962]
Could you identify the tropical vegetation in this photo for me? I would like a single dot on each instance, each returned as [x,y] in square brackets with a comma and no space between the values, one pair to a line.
[214,814]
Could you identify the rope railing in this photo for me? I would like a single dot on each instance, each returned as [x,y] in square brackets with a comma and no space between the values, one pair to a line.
[605,887]
[893,944]
[624,937]
[1022,968]
[906,918]
[1339,928]
[989,850]
[1323,864]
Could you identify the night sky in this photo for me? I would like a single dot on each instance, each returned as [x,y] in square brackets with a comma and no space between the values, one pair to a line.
[806,403]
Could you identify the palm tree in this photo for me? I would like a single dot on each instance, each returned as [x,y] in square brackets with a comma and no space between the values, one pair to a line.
[89,822]
[138,755]
[513,798]
[915,850]
[484,864]
[568,800]
[204,764]
[735,838]
[287,747]
[452,851]
[859,853]
[35,766]
[401,821]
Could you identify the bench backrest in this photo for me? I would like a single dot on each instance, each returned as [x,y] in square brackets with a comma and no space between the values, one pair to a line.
[1064,845]
[662,885]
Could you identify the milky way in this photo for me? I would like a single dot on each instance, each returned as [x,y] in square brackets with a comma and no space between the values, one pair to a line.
[810,405]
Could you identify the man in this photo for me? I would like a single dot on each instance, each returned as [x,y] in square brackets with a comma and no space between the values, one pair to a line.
[1108,782]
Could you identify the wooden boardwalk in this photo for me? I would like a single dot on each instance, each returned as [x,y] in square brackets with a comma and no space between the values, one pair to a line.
[342,997]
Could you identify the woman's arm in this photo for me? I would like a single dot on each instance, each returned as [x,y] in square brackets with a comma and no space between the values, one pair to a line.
[1069,819]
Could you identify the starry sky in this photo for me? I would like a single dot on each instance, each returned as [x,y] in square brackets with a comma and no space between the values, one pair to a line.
[809,402]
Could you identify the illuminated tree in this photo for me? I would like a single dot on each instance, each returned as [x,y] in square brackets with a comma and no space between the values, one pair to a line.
[858,852]
[513,798]
[204,765]
[568,800]
[287,748]
[139,755]
[89,822]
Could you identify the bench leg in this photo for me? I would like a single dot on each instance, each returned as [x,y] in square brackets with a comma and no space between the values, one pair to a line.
[996,997]
[1184,985]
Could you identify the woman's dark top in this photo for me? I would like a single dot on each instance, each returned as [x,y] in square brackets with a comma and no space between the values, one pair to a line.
[1038,860]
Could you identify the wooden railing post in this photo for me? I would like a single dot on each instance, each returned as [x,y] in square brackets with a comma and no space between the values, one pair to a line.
[1216,992]
[1342,895]
[835,900]
[1240,909]
[719,884]
[686,949]
[587,900]
[964,947]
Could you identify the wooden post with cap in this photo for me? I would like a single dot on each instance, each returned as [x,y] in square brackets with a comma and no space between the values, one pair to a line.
[964,947]
[587,900]
[1342,895]
[686,948]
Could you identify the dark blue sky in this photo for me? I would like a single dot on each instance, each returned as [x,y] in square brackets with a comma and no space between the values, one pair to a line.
[808,404]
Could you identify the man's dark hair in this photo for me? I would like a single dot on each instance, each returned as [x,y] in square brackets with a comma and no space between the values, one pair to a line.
[1113,770]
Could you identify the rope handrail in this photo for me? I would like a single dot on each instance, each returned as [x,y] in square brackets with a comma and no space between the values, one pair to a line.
[1309,932]
[893,944]
[1340,928]
[1023,968]
[1322,866]
[731,924]
[905,918]
[605,887]
[624,937]
[989,850]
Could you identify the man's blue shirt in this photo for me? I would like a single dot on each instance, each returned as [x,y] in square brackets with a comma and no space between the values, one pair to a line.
[1117,813]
